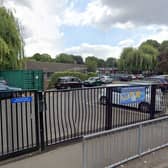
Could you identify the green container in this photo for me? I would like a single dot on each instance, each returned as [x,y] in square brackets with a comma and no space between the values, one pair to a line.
[25,79]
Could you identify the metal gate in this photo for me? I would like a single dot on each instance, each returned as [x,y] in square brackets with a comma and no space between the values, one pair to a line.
[70,114]
[18,123]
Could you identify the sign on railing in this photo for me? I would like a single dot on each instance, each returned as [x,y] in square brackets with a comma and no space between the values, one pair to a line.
[132,95]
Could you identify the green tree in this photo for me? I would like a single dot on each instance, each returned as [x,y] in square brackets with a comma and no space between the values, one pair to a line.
[41,57]
[11,34]
[150,55]
[77,59]
[152,43]
[65,58]
[162,66]
[111,62]
[4,55]
[163,46]
[91,63]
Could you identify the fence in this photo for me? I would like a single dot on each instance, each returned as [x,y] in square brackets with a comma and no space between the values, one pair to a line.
[18,123]
[71,114]
[114,147]
[61,116]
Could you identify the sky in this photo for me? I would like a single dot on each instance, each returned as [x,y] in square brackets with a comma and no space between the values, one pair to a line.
[99,28]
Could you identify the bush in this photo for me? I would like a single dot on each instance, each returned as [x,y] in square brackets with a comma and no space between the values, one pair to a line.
[81,76]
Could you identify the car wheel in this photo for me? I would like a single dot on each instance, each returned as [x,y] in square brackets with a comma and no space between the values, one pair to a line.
[144,107]
[103,100]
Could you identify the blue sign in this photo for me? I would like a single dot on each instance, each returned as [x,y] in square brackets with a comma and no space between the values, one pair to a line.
[21,99]
[132,95]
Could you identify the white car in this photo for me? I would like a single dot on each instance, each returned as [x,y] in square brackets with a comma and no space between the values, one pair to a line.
[143,106]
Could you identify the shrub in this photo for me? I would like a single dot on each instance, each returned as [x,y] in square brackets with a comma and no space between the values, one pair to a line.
[81,76]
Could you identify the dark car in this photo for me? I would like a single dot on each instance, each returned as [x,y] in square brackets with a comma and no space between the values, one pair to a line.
[125,78]
[68,82]
[93,81]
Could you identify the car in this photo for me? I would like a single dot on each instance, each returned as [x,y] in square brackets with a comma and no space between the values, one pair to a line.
[133,77]
[139,76]
[106,79]
[8,91]
[68,82]
[93,81]
[125,78]
[161,80]
[143,106]
[3,81]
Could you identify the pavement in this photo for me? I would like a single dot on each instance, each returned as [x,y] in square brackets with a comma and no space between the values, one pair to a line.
[63,157]
[157,159]
[71,157]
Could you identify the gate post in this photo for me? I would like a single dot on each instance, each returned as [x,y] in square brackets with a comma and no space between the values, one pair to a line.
[153,102]
[41,105]
[108,118]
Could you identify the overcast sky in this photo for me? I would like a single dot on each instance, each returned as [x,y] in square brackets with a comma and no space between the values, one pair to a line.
[89,27]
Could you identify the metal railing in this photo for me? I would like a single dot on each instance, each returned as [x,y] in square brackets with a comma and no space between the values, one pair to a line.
[70,114]
[117,146]
[19,131]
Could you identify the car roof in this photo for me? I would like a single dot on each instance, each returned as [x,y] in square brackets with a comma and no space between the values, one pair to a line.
[66,77]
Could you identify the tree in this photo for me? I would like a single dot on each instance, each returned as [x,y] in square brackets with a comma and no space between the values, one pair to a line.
[111,62]
[65,58]
[41,57]
[150,55]
[101,63]
[77,59]
[152,43]
[11,34]
[162,66]
[4,55]
[133,61]
[91,63]
[163,46]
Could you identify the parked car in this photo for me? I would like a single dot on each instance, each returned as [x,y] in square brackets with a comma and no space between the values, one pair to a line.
[139,76]
[133,77]
[125,78]
[106,79]
[8,91]
[143,106]
[68,82]
[161,80]
[93,81]
[3,81]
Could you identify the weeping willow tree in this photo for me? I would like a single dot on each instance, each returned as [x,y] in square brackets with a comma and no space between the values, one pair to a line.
[11,42]
[137,60]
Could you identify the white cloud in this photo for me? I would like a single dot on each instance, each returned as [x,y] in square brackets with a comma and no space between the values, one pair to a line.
[100,51]
[42,21]
[41,25]
[126,43]
[120,13]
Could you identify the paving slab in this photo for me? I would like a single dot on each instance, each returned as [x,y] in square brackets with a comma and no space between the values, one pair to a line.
[63,157]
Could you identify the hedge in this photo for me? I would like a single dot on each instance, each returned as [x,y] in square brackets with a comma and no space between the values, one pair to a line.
[82,76]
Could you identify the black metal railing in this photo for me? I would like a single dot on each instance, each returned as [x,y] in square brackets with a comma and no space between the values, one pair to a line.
[31,120]
[18,123]
[70,114]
